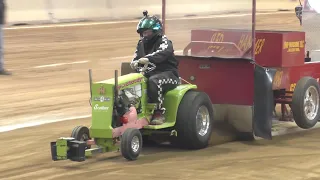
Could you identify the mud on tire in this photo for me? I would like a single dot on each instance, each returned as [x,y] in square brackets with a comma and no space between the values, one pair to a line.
[306,86]
[193,134]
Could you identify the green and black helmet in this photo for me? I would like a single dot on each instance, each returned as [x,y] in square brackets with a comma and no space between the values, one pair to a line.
[149,22]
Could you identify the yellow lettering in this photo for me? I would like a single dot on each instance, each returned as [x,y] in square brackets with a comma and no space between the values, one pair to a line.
[293,46]
[216,48]
[292,87]
[240,44]
[286,45]
[259,46]
[220,49]
[301,44]
[217,37]
[293,50]
[245,42]
[278,79]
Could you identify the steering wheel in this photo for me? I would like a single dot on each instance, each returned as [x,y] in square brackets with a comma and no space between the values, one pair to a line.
[146,68]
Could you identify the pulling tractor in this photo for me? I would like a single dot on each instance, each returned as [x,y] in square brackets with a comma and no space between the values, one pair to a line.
[121,115]
[232,80]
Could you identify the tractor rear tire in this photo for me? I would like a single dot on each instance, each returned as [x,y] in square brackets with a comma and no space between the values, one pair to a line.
[131,144]
[192,131]
[305,85]
[81,133]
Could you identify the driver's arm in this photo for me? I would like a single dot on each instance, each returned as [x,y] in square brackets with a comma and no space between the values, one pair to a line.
[162,53]
[136,57]
[136,54]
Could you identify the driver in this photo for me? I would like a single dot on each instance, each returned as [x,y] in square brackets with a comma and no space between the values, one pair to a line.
[156,49]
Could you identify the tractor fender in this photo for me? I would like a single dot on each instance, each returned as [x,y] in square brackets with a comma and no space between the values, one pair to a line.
[172,100]
[264,81]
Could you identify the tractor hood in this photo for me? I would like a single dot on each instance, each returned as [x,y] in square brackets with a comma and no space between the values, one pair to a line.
[103,102]
[125,80]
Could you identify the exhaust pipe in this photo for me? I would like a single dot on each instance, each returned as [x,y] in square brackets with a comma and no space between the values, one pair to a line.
[116,88]
[90,83]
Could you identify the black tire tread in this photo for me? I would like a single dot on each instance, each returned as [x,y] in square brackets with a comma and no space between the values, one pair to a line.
[125,144]
[297,102]
[78,131]
[185,126]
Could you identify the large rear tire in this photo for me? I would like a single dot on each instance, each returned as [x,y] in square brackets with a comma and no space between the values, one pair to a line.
[305,103]
[194,121]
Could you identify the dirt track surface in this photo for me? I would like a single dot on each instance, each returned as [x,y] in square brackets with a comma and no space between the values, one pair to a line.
[295,157]
[37,92]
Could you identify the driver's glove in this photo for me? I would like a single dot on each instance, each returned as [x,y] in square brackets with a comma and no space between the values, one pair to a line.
[143,60]
[134,64]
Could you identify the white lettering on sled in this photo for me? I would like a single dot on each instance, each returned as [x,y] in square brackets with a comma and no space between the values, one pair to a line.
[97,107]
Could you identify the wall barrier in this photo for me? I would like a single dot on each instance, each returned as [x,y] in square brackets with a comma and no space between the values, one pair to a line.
[53,11]
[21,11]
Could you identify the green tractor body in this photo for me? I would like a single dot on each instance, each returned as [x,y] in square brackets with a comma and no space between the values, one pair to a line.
[103,93]
[120,114]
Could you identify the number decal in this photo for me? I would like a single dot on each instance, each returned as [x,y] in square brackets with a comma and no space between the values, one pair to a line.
[217,37]
[277,79]
[292,87]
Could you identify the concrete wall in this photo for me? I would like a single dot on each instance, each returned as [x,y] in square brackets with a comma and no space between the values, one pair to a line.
[44,11]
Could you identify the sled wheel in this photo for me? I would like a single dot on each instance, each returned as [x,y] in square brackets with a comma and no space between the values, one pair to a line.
[131,144]
[81,133]
[194,121]
[305,103]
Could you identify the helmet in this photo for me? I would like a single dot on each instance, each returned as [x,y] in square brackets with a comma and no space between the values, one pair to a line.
[149,23]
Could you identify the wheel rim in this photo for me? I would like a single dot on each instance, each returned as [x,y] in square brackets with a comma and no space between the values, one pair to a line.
[84,137]
[311,103]
[203,120]
[135,144]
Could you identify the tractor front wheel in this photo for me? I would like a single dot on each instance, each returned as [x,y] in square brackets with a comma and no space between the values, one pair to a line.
[131,144]
[194,121]
[81,133]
